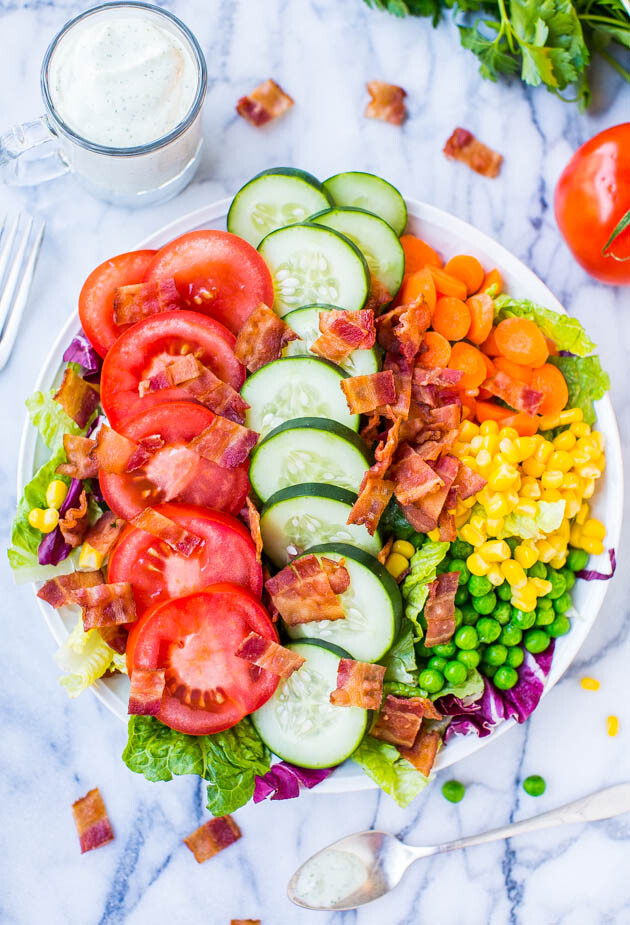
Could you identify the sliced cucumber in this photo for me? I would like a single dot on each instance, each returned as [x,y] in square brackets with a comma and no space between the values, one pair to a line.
[308,450]
[372,605]
[377,241]
[299,724]
[297,518]
[312,263]
[273,199]
[367,191]
[305,323]
[295,387]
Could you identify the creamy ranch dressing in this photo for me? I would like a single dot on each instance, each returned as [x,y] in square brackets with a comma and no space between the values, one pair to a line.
[121,78]
[330,877]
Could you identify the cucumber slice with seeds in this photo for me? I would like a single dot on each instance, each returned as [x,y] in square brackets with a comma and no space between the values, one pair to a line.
[367,191]
[305,323]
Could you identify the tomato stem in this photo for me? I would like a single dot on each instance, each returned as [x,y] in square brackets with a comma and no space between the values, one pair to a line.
[619,228]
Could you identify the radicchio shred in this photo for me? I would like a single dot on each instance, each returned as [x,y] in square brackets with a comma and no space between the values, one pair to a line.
[53,549]
[588,574]
[283,781]
[81,351]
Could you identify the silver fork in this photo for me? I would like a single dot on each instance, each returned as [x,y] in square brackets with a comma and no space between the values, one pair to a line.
[20,241]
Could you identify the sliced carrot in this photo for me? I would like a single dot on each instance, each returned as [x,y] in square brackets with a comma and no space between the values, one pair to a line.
[492,280]
[490,346]
[418,254]
[490,366]
[469,406]
[488,411]
[521,341]
[447,284]
[471,362]
[515,370]
[481,309]
[468,269]
[439,350]
[551,347]
[549,380]
[451,318]
[418,285]
[526,425]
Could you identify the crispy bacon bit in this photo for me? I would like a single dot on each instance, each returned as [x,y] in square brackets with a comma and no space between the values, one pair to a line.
[103,534]
[359,684]
[468,483]
[81,462]
[377,296]
[387,103]
[115,636]
[266,102]
[401,329]
[262,338]
[62,590]
[302,592]
[342,332]
[224,442]
[212,837]
[399,720]
[115,453]
[423,515]
[179,371]
[385,551]
[267,654]
[75,522]
[176,537]
[106,605]
[423,752]
[201,384]
[413,477]
[253,521]
[446,523]
[145,695]
[517,394]
[384,452]
[133,303]
[371,430]
[402,371]
[244,921]
[92,822]
[78,398]
[435,375]
[338,574]
[439,610]
[366,393]
[463,146]
[369,507]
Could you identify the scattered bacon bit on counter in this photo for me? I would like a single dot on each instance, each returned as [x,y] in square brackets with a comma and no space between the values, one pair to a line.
[399,720]
[81,461]
[518,395]
[387,103]
[366,393]
[267,654]
[302,592]
[463,146]
[439,610]
[342,332]
[423,752]
[201,384]
[62,590]
[92,822]
[106,605]
[74,522]
[157,524]
[244,921]
[266,102]
[413,477]
[145,694]
[102,535]
[133,303]
[359,684]
[212,837]
[253,522]
[78,398]
[224,442]
[374,496]
[262,338]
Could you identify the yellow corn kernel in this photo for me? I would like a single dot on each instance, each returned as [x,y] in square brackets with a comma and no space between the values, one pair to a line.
[396,564]
[590,684]
[471,535]
[524,447]
[494,576]
[56,493]
[558,561]
[600,462]
[476,565]
[526,555]
[589,488]
[592,546]
[495,551]
[589,471]
[564,530]
[580,458]
[533,467]
[470,502]
[526,508]
[530,488]
[541,585]
[511,499]
[612,726]
[489,427]
[543,451]
[502,478]
[43,520]
[461,519]
[508,433]
[571,504]
[551,495]
[552,478]
[434,535]
[561,460]
[575,537]
[587,445]
[476,443]
[468,430]
[594,528]
[484,458]
[580,429]
[478,521]
[524,599]
[90,558]
[34,517]
[546,551]
[583,514]
[490,443]
[496,505]
[508,450]
[599,439]
[494,526]
[405,548]
[559,543]
[571,481]
[570,415]
[470,461]
[565,441]
[459,448]
[513,573]
[548,421]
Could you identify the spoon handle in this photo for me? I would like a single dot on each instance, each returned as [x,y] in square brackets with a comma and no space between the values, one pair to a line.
[612,801]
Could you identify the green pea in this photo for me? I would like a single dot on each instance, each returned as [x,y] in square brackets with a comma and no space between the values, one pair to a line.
[489,630]
[458,565]
[469,615]
[478,585]
[515,657]
[495,654]
[502,612]
[444,566]
[466,637]
[461,549]
[524,619]
[422,651]
[560,627]
[431,680]
[437,663]
[505,678]
[453,791]
[504,591]
[458,617]
[536,641]
[445,650]
[455,673]
[569,577]
[486,603]
[545,603]
[488,670]
[470,658]
[558,584]
[544,616]
[577,560]
[513,542]
[511,635]
[562,603]
[534,785]
[538,570]
[461,595]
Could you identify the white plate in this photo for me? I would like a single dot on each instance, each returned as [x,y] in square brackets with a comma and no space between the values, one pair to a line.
[449,235]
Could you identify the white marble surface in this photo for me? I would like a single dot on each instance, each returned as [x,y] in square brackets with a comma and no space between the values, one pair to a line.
[54,750]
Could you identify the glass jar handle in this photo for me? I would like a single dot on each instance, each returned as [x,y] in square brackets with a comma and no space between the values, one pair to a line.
[18,169]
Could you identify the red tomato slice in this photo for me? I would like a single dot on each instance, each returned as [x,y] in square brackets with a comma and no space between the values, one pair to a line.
[96,301]
[149,346]
[174,473]
[194,639]
[158,573]
[217,273]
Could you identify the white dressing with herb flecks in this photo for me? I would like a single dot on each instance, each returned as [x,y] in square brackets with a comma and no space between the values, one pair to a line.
[329,878]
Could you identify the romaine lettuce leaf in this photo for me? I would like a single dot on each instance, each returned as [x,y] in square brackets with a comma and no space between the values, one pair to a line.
[470,691]
[400,660]
[548,519]
[415,587]
[587,382]
[85,657]
[566,332]
[393,774]
[50,419]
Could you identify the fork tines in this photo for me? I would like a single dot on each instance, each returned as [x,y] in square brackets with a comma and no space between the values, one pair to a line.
[20,241]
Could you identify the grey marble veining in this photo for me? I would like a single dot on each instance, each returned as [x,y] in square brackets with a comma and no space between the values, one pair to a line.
[54,750]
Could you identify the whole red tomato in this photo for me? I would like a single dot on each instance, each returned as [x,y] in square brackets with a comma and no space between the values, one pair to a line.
[592,198]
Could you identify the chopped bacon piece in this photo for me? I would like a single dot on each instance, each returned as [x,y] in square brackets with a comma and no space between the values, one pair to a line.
[423,752]
[385,551]
[267,101]
[468,482]
[103,534]
[244,921]
[359,684]
[267,654]
[115,636]
[302,592]
[401,329]
[371,430]
[75,522]
[224,442]
[439,610]
[106,605]
[463,146]
[402,372]
[384,452]
[253,521]
[262,338]
[81,462]
[338,574]
[181,370]
[115,453]
[399,720]
[377,296]
[446,523]
[176,537]
[448,417]
[342,332]
[78,398]
[133,303]
[517,394]
[413,478]
[201,384]
[145,695]
[387,103]
[62,590]
[369,507]
[91,820]
[366,393]
[212,837]
[423,515]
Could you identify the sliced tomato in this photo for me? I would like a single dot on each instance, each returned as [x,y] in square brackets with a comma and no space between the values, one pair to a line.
[96,301]
[149,346]
[158,573]
[194,638]
[217,273]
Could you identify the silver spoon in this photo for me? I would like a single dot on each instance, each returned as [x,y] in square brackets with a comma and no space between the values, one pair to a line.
[360,868]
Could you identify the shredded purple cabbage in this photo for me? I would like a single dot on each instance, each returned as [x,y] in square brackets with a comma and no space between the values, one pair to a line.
[588,574]
[82,352]
[283,781]
[53,549]
[566,353]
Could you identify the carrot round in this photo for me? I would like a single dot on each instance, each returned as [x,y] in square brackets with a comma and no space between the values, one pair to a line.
[488,411]
[492,280]
[438,351]
[526,425]
[521,341]
[515,370]
[489,346]
[468,269]
[549,380]
[481,309]
[490,366]
[418,254]
[471,362]
[416,286]
[447,284]
[551,347]
[469,406]
[451,318]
